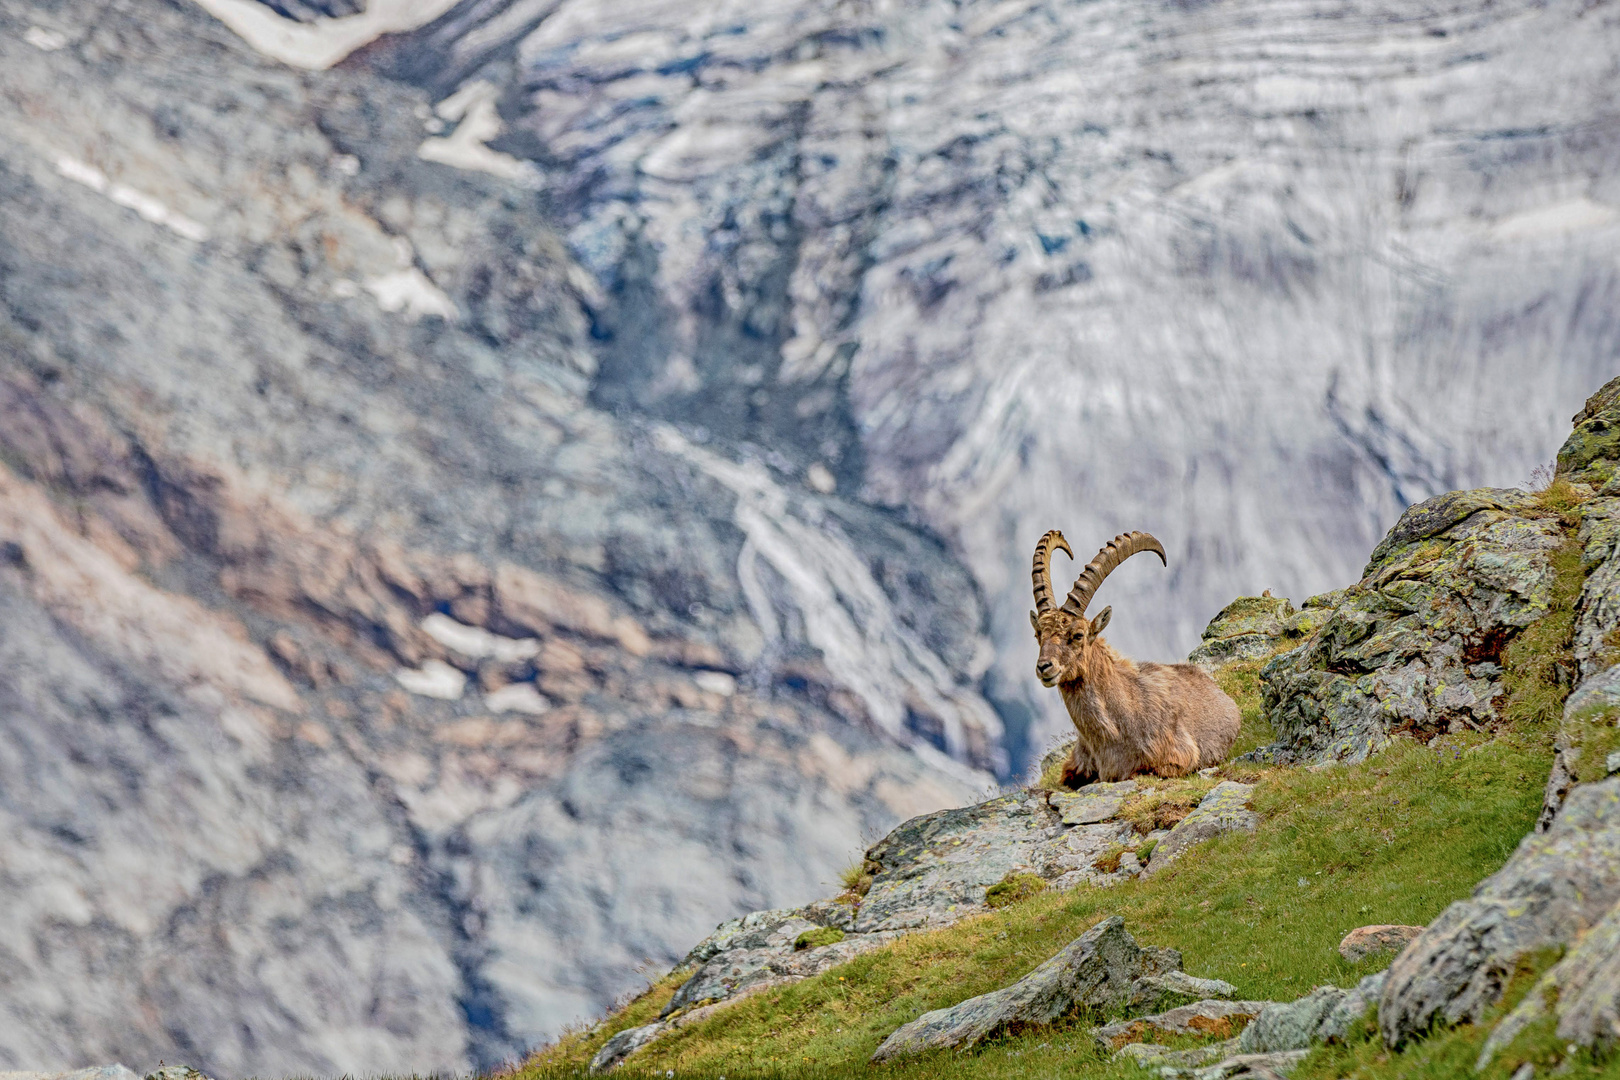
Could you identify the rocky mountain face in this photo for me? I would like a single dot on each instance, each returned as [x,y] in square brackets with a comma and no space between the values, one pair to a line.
[371,701]
[488,490]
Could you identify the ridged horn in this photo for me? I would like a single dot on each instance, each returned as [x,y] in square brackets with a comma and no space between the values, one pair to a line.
[1042,573]
[1112,554]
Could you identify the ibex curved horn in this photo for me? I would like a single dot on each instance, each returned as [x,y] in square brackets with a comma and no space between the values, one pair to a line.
[1112,554]
[1042,574]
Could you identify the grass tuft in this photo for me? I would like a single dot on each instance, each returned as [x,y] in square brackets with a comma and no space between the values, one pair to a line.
[1014,888]
[857,877]
[1163,804]
[815,939]
[1108,862]
[1241,681]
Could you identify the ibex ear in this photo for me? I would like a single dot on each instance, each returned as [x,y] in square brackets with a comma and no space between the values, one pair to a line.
[1101,620]
[1036,623]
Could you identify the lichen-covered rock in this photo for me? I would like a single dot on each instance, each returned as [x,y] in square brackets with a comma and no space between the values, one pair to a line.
[1252,628]
[736,971]
[1094,972]
[622,1045]
[1176,987]
[1167,1062]
[1592,451]
[1224,809]
[1585,985]
[1556,885]
[933,869]
[1597,613]
[1092,803]
[171,1072]
[1364,941]
[1219,1018]
[751,931]
[1323,1015]
[1417,643]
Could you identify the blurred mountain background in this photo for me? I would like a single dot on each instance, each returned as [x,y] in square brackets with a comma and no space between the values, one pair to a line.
[490,489]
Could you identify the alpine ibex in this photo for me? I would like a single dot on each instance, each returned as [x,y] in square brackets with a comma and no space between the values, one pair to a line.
[1164,718]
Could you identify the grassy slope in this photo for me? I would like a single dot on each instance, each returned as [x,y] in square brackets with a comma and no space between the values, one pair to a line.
[1391,841]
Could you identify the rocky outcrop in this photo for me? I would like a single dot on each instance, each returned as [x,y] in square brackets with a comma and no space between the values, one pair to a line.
[1324,1015]
[1582,990]
[1417,644]
[1225,809]
[1255,627]
[769,948]
[1557,885]
[1094,973]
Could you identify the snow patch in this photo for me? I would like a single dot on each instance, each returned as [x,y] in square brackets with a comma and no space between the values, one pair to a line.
[148,207]
[464,148]
[45,40]
[410,292]
[434,679]
[475,642]
[716,682]
[320,44]
[519,697]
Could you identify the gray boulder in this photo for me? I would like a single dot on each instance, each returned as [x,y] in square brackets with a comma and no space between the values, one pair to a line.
[1323,1015]
[1418,641]
[1585,985]
[1092,803]
[936,868]
[1224,809]
[622,1045]
[1556,886]
[1093,973]
[1365,941]
[1156,991]
[1261,1066]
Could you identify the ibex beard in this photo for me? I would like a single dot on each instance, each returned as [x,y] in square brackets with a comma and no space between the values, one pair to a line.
[1169,719]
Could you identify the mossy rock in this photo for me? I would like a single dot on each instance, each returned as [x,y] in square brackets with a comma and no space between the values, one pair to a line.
[1249,628]
[1591,454]
[815,939]
[1013,888]
[1424,641]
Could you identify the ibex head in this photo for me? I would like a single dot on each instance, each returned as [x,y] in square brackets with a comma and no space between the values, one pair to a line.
[1064,633]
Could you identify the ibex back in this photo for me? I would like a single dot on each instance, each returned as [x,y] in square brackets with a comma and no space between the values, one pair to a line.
[1169,719]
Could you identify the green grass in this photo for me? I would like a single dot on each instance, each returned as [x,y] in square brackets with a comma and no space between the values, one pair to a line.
[1450,1054]
[1241,681]
[1013,889]
[1393,840]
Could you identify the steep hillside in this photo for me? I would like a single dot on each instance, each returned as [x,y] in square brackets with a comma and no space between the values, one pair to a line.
[1435,814]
